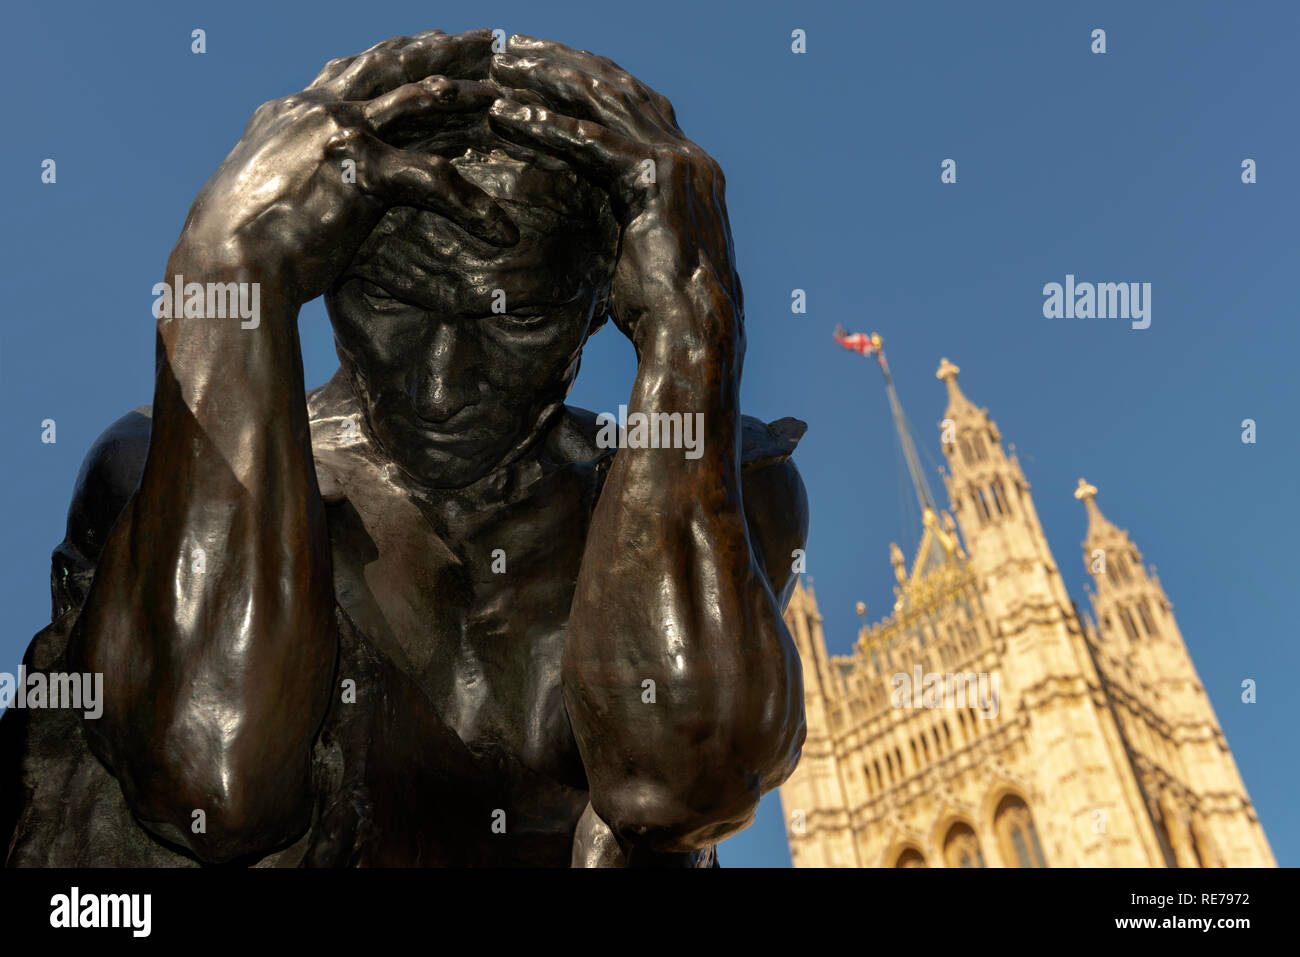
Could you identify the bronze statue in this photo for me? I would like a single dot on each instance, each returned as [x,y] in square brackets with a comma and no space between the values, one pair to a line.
[429,616]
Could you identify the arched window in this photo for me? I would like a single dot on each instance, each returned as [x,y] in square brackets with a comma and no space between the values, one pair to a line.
[1146,619]
[965,451]
[963,735]
[911,857]
[1004,503]
[1129,627]
[961,848]
[1017,835]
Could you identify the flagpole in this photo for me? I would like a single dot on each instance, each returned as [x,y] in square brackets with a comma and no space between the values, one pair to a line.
[922,488]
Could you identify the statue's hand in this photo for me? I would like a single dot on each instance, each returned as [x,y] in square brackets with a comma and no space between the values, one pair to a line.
[287,200]
[667,193]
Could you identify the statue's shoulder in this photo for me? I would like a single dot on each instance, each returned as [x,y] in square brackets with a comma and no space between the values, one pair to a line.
[776,501]
[115,462]
[113,466]
[109,475]
[578,436]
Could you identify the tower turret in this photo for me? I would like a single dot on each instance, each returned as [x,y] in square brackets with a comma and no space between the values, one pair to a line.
[1130,605]
[990,500]
[1184,761]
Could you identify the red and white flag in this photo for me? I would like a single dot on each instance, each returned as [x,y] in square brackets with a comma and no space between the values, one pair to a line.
[861,343]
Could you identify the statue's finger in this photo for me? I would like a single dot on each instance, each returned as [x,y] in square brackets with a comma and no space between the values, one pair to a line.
[401,60]
[330,73]
[597,153]
[411,104]
[593,64]
[406,178]
[461,55]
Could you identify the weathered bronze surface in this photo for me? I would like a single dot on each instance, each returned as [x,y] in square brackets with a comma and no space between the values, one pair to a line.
[413,619]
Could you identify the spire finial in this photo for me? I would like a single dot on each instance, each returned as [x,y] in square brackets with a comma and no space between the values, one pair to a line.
[948,373]
[1087,494]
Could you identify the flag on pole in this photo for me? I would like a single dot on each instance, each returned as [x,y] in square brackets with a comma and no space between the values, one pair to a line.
[862,344]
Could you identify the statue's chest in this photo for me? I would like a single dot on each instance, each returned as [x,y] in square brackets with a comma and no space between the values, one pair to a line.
[476,616]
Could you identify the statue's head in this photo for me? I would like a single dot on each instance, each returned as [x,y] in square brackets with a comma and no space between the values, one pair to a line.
[459,351]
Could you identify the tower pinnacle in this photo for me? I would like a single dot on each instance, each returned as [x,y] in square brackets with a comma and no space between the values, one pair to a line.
[1087,494]
[948,373]
[1097,522]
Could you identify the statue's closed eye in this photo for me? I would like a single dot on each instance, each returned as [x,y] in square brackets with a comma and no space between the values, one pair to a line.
[525,319]
[379,299]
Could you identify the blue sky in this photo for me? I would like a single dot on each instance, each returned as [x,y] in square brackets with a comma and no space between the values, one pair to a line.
[1116,167]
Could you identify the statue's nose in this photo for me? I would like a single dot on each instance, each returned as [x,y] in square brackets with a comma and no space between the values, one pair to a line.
[442,385]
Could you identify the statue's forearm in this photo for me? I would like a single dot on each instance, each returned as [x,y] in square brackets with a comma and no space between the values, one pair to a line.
[671,592]
[211,614]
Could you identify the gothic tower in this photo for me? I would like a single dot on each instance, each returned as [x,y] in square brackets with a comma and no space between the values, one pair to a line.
[983,722]
[1202,814]
[1052,686]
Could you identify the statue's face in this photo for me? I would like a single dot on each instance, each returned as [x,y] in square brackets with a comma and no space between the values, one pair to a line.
[461,351]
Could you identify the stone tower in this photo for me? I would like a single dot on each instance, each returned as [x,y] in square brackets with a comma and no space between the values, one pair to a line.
[985,723]
[1201,811]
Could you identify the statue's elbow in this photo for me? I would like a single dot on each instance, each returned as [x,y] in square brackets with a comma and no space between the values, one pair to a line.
[221,813]
[703,800]
[660,817]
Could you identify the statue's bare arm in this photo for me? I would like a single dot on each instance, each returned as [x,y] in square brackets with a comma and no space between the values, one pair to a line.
[671,589]
[211,613]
